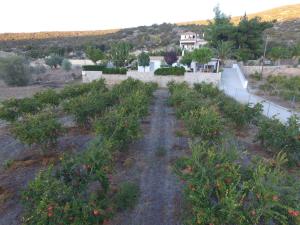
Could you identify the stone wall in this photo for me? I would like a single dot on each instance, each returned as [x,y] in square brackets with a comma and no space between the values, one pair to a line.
[89,76]
[272,70]
[162,81]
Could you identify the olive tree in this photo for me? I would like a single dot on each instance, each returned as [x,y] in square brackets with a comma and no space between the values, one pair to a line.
[66,65]
[54,60]
[144,60]
[15,70]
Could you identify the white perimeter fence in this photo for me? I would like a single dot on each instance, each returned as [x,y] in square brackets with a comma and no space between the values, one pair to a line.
[270,109]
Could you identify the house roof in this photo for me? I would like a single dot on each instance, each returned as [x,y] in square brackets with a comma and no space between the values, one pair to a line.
[189,33]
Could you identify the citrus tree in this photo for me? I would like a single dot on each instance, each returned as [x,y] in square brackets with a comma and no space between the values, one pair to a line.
[144,60]
[94,54]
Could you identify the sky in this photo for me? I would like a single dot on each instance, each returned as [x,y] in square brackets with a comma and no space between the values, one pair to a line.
[71,15]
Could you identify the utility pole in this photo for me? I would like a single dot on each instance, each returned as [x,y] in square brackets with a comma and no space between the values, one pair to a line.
[264,56]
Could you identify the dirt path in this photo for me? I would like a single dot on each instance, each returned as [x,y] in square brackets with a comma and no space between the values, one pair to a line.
[160,200]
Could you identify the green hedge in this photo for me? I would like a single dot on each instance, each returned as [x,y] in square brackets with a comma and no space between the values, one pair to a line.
[93,68]
[177,71]
[114,71]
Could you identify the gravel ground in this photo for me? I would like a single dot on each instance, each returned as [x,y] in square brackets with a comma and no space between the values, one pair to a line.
[160,201]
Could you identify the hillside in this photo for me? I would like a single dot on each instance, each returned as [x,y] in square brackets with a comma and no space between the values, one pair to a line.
[280,14]
[153,37]
[149,37]
[52,34]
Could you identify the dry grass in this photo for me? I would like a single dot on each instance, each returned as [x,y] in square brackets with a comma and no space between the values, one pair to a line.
[53,34]
[281,14]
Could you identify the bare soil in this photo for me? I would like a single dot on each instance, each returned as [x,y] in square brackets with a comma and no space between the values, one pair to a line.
[149,163]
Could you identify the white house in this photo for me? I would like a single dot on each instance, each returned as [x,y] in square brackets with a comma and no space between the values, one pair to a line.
[155,63]
[190,41]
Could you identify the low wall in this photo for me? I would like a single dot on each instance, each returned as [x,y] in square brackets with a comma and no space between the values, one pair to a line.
[272,70]
[241,75]
[194,78]
[162,81]
[112,79]
[89,76]
[81,62]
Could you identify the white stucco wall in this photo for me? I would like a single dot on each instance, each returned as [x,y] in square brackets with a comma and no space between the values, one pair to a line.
[162,81]
[142,69]
[89,76]
[242,78]
[112,79]
[194,78]
[81,62]
[146,77]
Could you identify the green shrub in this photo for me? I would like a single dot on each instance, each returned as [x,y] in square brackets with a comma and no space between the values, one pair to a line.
[66,65]
[178,93]
[127,196]
[279,137]
[136,103]
[87,106]
[49,200]
[240,114]
[13,108]
[207,90]
[129,86]
[79,89]
[114,71]
[119,126]
[50,97]
[256,76]
[160,152]
[221,191]
[286,87]
[93,68]
[77,192]
[72,91]
[177,71]
[204,122]
[15,71]
[42,129]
